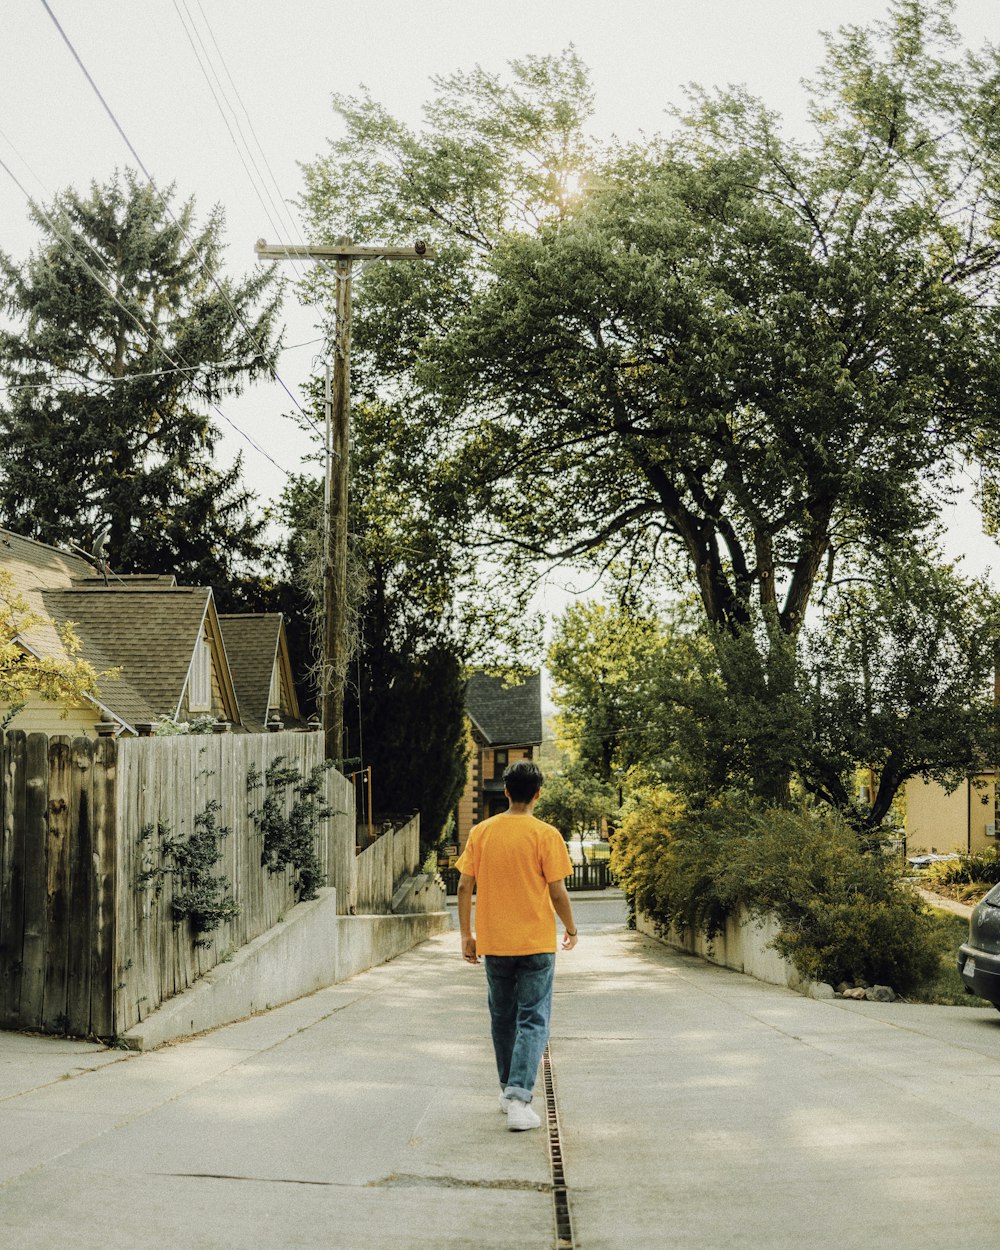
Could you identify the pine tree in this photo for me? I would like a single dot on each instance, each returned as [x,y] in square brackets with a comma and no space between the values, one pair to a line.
[125,333]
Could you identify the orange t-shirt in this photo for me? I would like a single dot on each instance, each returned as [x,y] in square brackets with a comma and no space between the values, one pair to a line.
[514,858]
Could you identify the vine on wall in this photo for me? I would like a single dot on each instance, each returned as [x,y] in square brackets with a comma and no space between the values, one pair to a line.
[289,837]
[202,897]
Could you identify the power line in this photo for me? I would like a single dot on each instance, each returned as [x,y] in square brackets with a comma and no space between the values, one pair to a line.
[209,73]
[54,378]
[152,373]
[290,217]
[168,210]
[149,331]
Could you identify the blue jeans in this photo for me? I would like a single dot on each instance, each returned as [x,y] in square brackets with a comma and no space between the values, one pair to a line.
[520,998]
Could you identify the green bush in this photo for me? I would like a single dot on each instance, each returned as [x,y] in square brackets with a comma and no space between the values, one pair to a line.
[844,913]
[979,868]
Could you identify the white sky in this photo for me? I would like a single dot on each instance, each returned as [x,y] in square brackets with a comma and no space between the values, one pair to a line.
[286,58]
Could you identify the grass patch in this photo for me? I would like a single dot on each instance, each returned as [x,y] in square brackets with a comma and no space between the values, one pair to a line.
[946,987]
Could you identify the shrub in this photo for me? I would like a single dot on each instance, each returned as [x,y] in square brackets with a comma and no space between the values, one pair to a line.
[981,868]
[844,912]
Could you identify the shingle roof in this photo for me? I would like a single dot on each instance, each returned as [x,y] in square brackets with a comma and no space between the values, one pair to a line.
[150,633]
[143,624]
[251,643]
[506,715]
[34,567]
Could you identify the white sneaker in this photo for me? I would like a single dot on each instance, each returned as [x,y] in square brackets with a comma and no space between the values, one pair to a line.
[520,1116]
[505,1103]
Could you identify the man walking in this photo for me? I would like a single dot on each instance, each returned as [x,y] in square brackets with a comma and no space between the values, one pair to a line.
[518,865]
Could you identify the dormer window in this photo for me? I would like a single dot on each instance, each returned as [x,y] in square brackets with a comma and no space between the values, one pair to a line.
[200,679]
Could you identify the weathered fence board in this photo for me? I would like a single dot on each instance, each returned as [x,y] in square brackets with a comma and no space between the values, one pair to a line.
[35,875]
[12,873]
[57,887]
[383,865]
[104,859]
[82,882]
[55,922]
[88,940]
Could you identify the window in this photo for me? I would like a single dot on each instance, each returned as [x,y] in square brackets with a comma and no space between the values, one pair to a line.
[274,697]
[499,763]
[200,679]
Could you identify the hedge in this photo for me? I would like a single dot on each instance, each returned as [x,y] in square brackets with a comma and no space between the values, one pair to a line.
[844,912]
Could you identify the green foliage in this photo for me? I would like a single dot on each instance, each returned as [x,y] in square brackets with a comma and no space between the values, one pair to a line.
[979,870]
[201,897]
[416,621]
[67,681]
[575,801]
[167,727]
[106,419]
[603,662]
[747,362]
[946,986]
[844,913]
[289,836]
[894,675]
[899,679]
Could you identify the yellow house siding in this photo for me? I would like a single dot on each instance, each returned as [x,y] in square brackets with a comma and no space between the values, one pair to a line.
[40,716]
[940,822]
[467,803]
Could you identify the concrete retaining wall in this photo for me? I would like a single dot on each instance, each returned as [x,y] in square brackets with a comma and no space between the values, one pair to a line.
[744,946]
[364,941]
[310,949]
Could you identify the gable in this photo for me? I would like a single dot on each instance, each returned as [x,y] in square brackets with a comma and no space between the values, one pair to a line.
[505,715]
[149,634]
[257,652]
[145,625]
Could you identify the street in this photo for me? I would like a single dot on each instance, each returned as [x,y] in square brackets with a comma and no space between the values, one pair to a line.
[698,1109]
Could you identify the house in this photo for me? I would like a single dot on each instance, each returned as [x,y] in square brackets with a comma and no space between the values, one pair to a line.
[165,642]
[257,650]
[505,725]
[964,820]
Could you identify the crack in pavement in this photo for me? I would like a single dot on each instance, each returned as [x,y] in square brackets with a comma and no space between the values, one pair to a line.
[395,1180]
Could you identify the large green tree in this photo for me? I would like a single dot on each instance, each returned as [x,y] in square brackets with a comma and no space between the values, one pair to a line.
[123,332]
[738,356]
[894,675]
[605,661]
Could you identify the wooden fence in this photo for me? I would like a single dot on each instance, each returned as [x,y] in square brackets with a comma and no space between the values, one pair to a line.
[380,867]
[57,884]
[164,784]
[88,940]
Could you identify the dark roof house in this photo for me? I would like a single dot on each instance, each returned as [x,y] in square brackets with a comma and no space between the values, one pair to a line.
[505,715]
[257,649]
[164,641]
[505,725]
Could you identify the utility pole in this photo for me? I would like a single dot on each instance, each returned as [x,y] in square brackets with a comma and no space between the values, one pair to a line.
[333,666]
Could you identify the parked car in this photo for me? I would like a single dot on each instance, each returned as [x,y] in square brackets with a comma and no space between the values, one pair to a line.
[979,958]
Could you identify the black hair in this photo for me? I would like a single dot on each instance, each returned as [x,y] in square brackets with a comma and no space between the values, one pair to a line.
[522,780]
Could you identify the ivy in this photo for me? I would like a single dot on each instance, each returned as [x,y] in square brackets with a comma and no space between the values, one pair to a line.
[289,836]
[203,897]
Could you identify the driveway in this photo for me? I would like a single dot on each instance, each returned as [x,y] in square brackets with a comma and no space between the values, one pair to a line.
[698,1109]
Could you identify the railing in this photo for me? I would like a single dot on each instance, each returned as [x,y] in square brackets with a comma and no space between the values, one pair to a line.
[584,877]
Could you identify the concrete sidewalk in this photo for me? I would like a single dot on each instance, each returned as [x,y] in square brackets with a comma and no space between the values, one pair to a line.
[699,1109]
